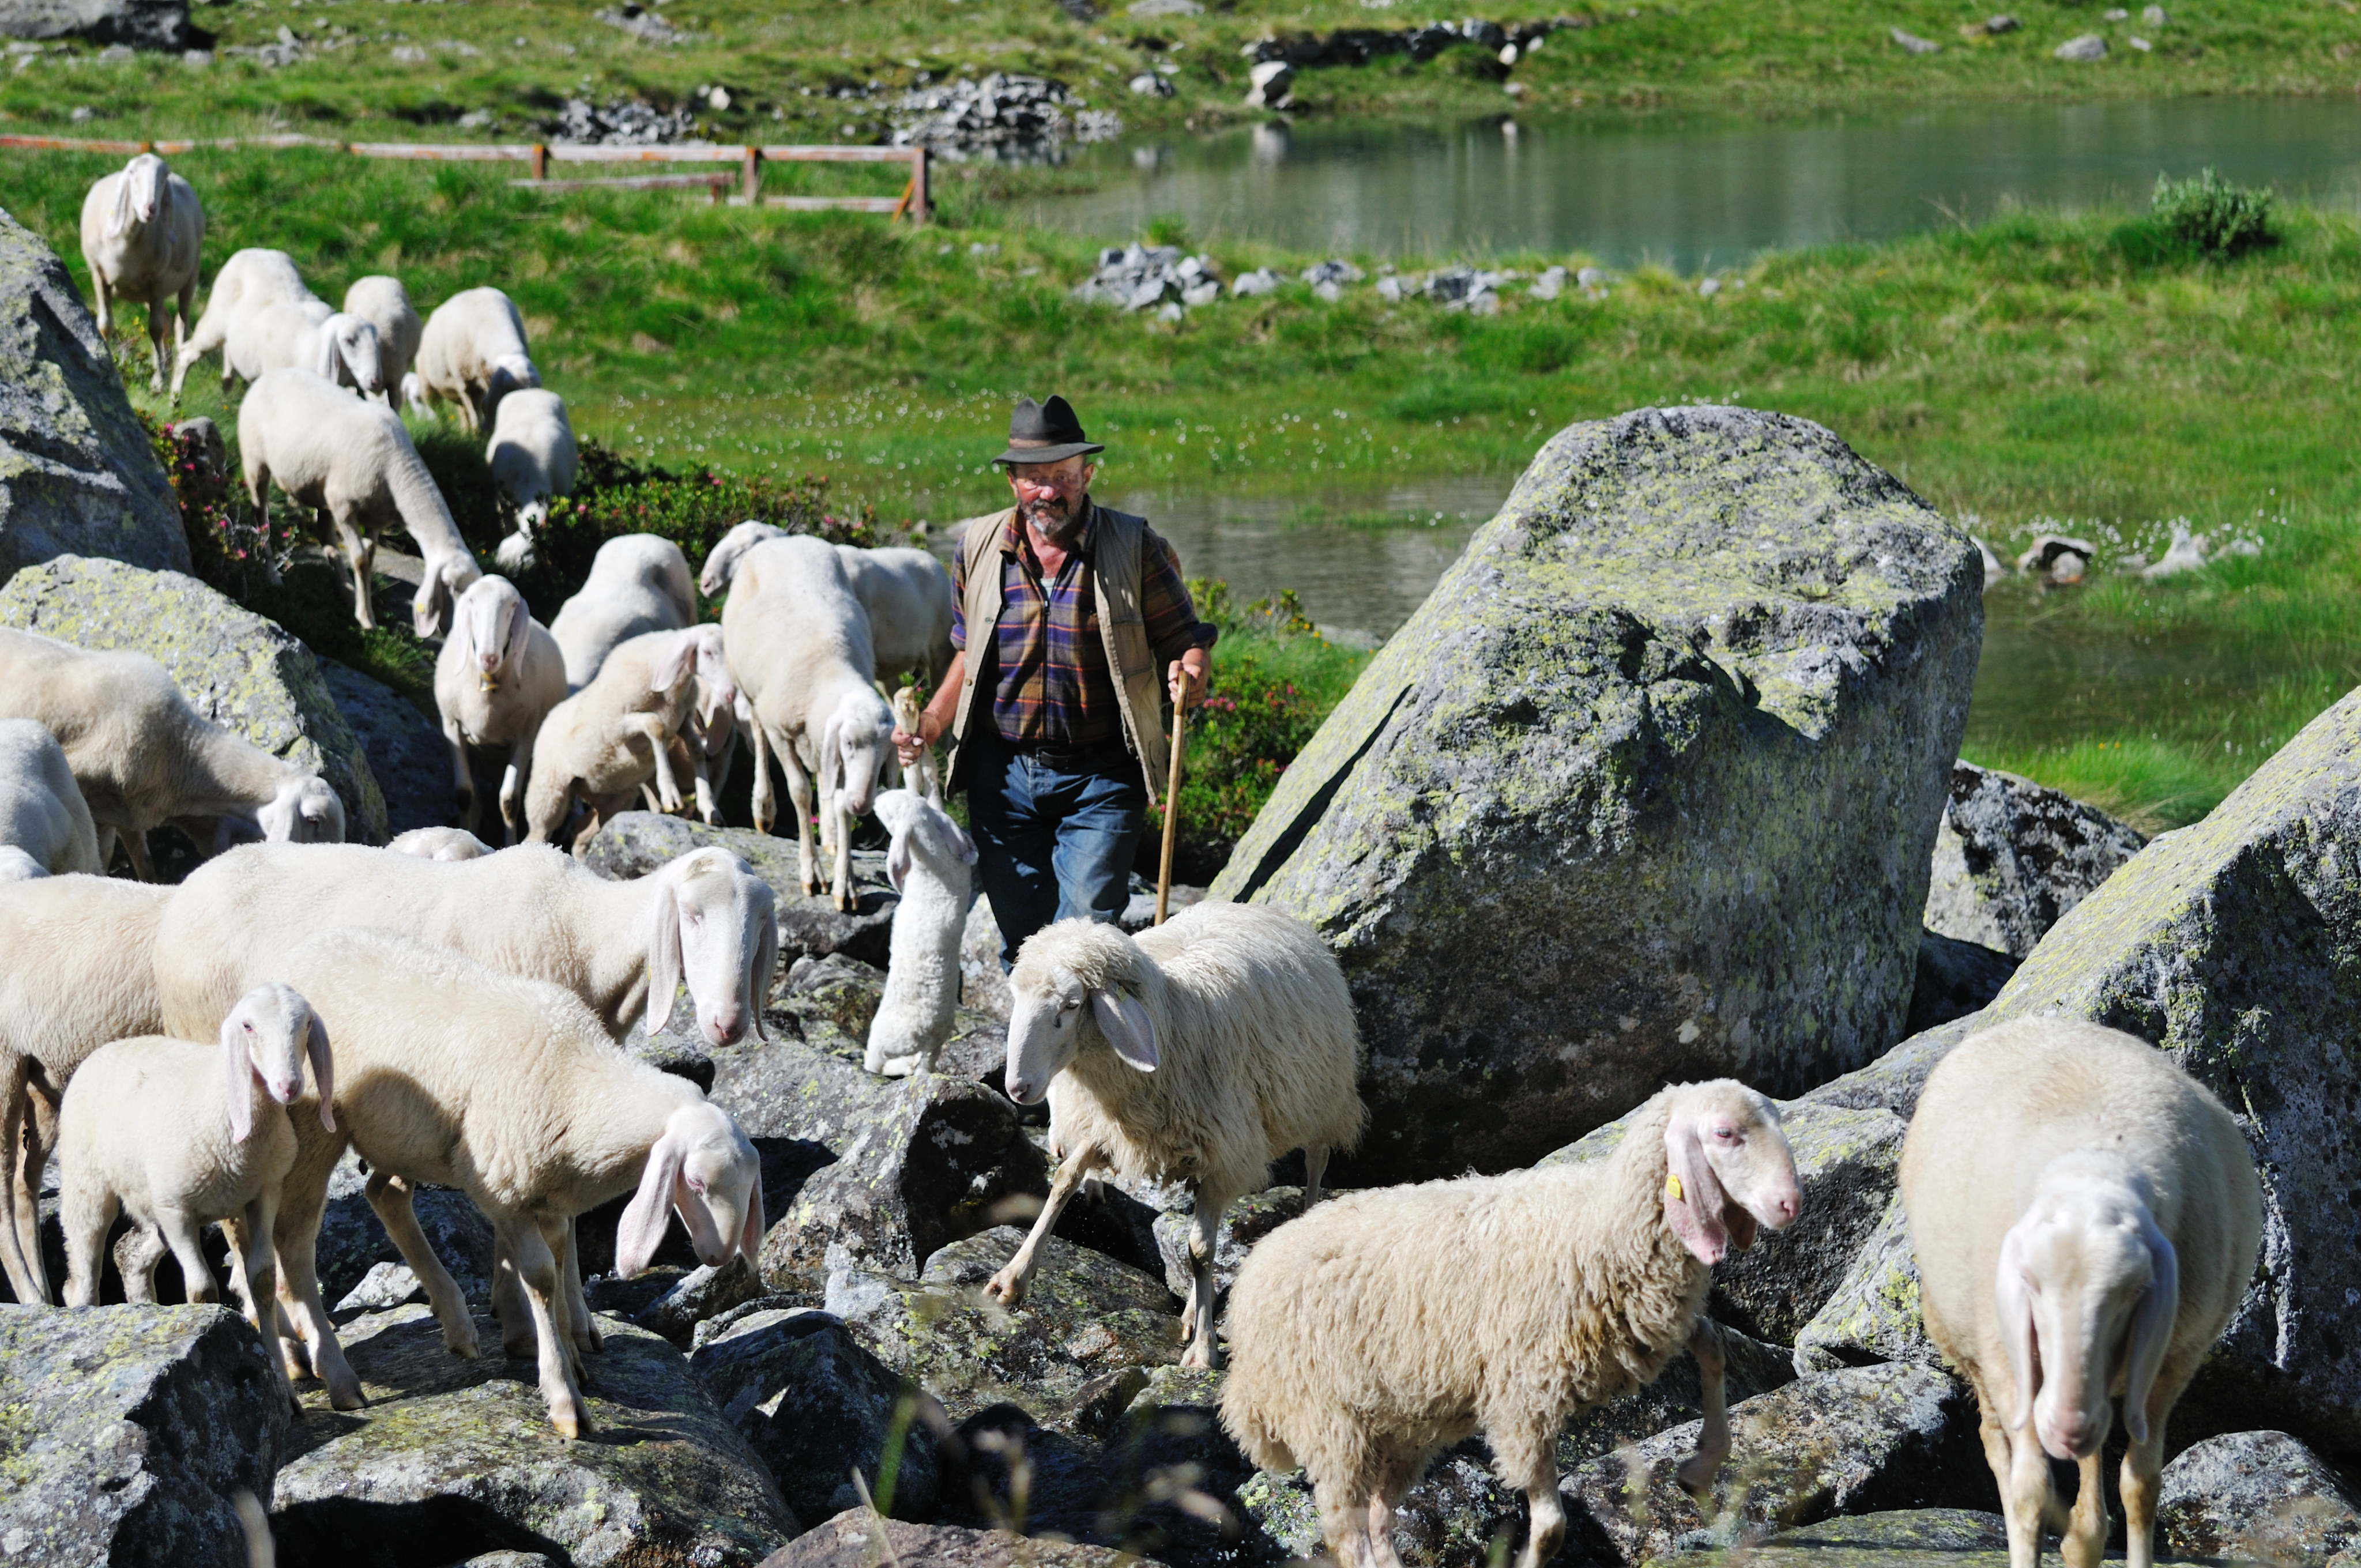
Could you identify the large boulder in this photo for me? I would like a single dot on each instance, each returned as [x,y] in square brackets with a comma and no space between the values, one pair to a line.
[2012,858]
[1647,789]
[453,1458]
[129,1431]
[244,673]
[78,476]
[142,24]
[407,755]
[2260,1497]
[633,843]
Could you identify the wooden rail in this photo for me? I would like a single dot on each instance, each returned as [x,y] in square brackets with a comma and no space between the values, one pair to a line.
[913,200]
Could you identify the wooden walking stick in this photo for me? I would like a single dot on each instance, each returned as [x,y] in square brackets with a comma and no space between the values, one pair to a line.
[1171,809]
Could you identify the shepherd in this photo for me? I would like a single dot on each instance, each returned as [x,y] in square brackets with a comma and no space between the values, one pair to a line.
[1066,613]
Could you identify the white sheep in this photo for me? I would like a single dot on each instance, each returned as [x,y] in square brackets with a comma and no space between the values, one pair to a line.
[352,459]
[2086,1218]
[532,459]
[1368,1335]
[928,865]
[497,677]
[385,304]
[1199,1051]
[440,844]
[142,233]
[510,1090]
[721,561]
[78,974]
[143,757]
[602,743]
[473,353]
[638,584]
[260,318]
[907,593]
[800,649]
[15,865]
[42,813]
[926,774]
[413,397]
[706,746]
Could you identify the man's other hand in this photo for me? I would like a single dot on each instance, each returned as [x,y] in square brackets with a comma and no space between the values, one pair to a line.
[1186,683]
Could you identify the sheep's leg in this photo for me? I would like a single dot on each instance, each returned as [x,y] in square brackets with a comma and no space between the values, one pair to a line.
[1205,1237]
[159,312]
[134,844]
[536,1264]
[1344,1524]
[841,879]
[509,1305]
[1315,1169]
[1696,1472]
[302,1197]
[462,781]
[2084,1539]
[586,1335]
[23,1219]
[105,312]
[513,780]
[262,1279]
[764,804]
[360,554]
[1008,1285]
[390,1199]
[800,795]
[2023,1472]
[651,728]
[182,1235]
[2141,1476]
[87,1216]
[136,1253]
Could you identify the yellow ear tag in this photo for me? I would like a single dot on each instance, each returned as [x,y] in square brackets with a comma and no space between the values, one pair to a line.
[489,683]
[1672,1186]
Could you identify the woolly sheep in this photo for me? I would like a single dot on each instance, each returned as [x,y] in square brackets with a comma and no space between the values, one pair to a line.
[928,866]
[600,744]
[638,584]
[2086,1218]
[473,353]
[721,561]
[497,677]
[447,1071]
[142,231]
[143,757]
[907,593]
[78,974]
[440,844]
[1199,1051]
[800,649]
[352,459]
[41,809]
[1368,1335]
[926,774]
[261,318]
[385,304]
[532,459]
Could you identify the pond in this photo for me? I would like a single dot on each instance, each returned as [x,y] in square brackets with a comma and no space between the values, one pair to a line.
[1693,194]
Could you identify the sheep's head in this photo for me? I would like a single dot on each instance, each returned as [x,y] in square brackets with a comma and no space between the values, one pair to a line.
[16,865]
[264,1039]
[706,1169]
[855,746]
[2087,1286]
[1075,981]
[715,926]
[144,191]
[446,577]
[1727,1165]
[304,811]
[921,829]
[493,625]
[348,351]
[694,654]
[722,563]
[413,394]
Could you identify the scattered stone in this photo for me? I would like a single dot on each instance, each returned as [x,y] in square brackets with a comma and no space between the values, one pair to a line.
[1165,8]
[850,1540]
[2139,43]
[1135,276]
[626,122]
[2257,1496]
[1001,116]
[2012,858]
[1955,979]
[1148,84]
[1550,284]
[706,1291]
[2081,49]
[1911,43]
[642,24]
[352,1247]
[407,755]
[2152,16]
[1335,270]
[2185,554]
[1903,1536]
[1272,84]
[385,1285]
[633,843]
[845,991]
[2043,553]
[1261,281]
[1709,286]
[1993,570]
[1874,1314]
[2000,24]
[120,24]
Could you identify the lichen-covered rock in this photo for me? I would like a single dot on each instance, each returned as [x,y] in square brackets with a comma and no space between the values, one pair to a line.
[844,991]
[1955,979]
[142,24]
[634,843]
[125,1431]
[2012,858]
[1645,790]
[815,1406]
[1893,1081]
[851,1541]
[2259,1496]
[983,984]
[407,755]
[246,673]
[452,1458]
[1874,1314]
[1250,1218]
[1906,1538]
[77,474]
[705,1291]
[351,1243]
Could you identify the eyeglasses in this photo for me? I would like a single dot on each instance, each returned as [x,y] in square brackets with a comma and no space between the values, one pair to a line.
[1047,477]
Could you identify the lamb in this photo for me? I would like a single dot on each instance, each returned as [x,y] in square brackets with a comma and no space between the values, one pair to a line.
[440,844]
[907,593]
[143,757]
[2086,1218]
[448,1071]
[800,649]
[1368,1335]
[261,318]
[1199,1052]
[352,459]
[142,230]
[926,774]
[42,813]
[473,353]
[496,679]
[385,304]
[638,584]
[600,744]
[532,459]
[928,866]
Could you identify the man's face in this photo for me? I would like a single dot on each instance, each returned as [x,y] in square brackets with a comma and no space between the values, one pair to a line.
[1049,495]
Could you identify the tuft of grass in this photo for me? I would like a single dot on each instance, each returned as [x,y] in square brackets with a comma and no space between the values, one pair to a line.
[2212,217]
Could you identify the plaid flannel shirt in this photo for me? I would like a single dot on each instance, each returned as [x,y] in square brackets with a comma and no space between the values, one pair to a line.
[1049,663]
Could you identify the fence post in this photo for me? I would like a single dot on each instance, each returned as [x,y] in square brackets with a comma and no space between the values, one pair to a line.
[539,160]
[751,181]
[918,186]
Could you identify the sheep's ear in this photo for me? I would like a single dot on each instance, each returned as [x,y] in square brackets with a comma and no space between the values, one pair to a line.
[1127,1027]
[325,357]
[2152,1324]
[831,762]
[1693,1199]
[519,629]
[675,664]
[749,1235]
[237,1071]
[664,958]
[323,1071]
[119,222]
[2013,1307]
[897,858]
[650,1210]
[426,609]
[758,979]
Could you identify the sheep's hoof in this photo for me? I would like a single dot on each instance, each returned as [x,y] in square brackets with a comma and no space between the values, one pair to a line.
[1005,1288]
[1199,1356]
[343,1388]
[566,1418]
[1697,1473]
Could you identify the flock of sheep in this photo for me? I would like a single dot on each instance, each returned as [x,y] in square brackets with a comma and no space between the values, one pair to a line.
[2085,1215]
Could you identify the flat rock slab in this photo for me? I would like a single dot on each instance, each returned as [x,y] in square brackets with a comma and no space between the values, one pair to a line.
[126,1431]
[2012,858]
[1915,1537]
[1647,789]
[407,755]
[636,842]
[849,1540]
[454,1458]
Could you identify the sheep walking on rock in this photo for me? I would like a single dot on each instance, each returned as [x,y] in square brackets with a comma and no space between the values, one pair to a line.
[142,233]
[497,677]
[2086,1218]
[928,865]
[472,354]
[385,304]
[1368,1335]
[41,809]
[638,584]
[1197,1052]
[602,743]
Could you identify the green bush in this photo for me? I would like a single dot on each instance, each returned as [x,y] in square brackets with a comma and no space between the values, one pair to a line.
[2212,217]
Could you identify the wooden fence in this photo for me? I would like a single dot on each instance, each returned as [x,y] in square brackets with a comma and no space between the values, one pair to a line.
[539,156]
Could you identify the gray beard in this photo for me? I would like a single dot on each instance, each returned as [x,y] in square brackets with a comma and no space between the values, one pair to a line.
[1058,530]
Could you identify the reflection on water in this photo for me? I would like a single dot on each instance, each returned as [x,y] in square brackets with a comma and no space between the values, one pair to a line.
[1698,194]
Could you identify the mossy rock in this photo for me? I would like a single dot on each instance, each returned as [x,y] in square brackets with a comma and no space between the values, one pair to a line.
[852,1541]
[2012,858]
[2257,1495]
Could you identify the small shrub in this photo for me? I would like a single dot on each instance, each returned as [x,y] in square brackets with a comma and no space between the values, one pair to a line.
[229,549]
[2212,217]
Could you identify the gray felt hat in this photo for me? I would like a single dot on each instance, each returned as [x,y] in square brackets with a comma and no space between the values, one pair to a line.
[1046,432]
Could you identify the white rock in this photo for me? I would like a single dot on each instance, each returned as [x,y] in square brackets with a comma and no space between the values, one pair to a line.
[1911,43]
[2152,16]
[1261,281]
[1331,292]
[1204,293]
[1170,313]
[1709,287]
[1508,54]
[1390,288]
[2082,49]
[1148,84]
[1272,81]
[1590,278]
[2187,553]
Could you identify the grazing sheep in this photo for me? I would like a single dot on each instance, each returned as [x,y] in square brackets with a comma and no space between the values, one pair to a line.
[905,592]
[638,584]
[473,353]
[602,743]
[2086,1218]
[352,459]
[721,561]
[926,774]
[143,757]
[1368,1335]
[440,844]
[77,974]
[531,458]
[384,303]
[1197,1052]
[41,809]
[142,230]
[496,679]
[929,867]
[800,649]
[261,318]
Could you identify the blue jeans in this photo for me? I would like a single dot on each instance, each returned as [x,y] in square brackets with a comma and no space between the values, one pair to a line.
[1052,844]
